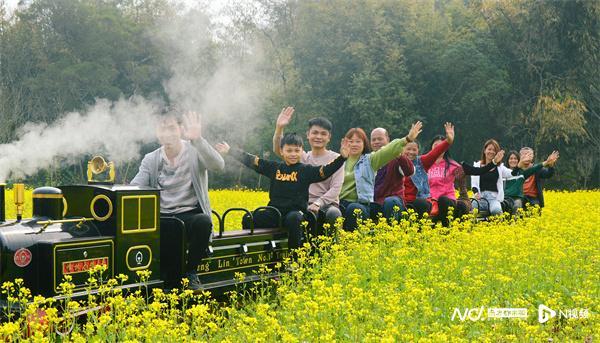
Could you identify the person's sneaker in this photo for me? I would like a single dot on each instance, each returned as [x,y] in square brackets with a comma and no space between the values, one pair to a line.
[194,281]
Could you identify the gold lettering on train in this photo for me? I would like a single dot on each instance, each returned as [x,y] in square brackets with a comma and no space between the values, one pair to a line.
[240,261]
[282,254]
[204,267]
[265,257]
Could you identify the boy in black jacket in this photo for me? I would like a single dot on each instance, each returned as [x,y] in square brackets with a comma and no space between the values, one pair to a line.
[288,191]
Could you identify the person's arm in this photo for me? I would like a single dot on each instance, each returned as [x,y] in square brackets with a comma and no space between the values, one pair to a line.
[529,171]
[208,156]
[320,173]
[387,153]
[142,178]
[393,149]
[548,170]
[284,118]
[546,173]
[504,172]
[261,166]
[429,158]
[277,142]
[406,167]
[472,170]
[329,197]
[477,169]
[192,130]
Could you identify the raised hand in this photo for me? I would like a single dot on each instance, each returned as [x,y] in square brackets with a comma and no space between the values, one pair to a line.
[499,157]
[192,126]
[526,159]
[415,130]
[552,158]
[449,132]
[222,148]
[285,116]
[345,148]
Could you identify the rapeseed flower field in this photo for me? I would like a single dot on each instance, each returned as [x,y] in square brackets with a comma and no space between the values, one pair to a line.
[404,281]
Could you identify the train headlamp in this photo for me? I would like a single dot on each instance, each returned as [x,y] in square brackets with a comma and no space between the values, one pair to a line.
[100,171]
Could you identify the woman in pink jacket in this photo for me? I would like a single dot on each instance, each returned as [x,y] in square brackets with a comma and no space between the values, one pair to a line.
[444,174]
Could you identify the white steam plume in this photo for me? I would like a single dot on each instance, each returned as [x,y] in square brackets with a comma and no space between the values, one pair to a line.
[224,86]
[116,129]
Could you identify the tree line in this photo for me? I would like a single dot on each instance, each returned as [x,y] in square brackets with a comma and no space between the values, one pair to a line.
[523,72]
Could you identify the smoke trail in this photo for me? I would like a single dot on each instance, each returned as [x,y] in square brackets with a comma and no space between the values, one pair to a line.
[223,87]
[115,129]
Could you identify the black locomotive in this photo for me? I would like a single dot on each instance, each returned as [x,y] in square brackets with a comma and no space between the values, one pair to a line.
[77,227]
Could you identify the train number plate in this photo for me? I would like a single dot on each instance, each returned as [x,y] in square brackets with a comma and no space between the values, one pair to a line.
[82,266]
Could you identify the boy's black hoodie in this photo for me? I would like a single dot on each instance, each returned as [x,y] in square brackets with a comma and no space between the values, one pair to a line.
[289,183]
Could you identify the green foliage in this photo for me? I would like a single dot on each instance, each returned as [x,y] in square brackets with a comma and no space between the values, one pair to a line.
[59,56]
[523,72]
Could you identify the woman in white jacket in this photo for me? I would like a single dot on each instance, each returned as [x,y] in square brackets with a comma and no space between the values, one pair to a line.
[489,186]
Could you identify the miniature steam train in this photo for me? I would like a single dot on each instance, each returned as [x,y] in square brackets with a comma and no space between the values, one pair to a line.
[77,227]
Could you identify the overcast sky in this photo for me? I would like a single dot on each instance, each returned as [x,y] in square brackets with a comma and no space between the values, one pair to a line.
[214,5]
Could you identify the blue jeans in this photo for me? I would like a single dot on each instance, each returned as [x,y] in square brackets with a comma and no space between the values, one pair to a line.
[351,218]
[388,207]
[492,205]
[366,211]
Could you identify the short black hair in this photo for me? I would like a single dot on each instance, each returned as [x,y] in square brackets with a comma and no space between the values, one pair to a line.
[291,139]
[513,152]
[320,122]
[163,119]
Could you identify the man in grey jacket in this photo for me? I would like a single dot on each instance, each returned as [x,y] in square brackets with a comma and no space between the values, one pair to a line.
[179,168]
